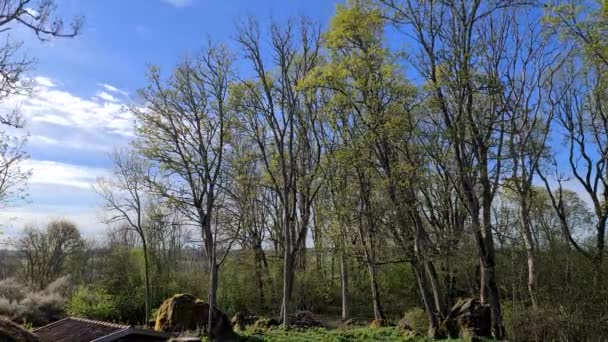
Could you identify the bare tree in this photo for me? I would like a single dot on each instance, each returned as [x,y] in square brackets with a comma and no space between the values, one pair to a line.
[283,122]
[183,131]
[45,251]
[124,201]
[582,118]
[529,71]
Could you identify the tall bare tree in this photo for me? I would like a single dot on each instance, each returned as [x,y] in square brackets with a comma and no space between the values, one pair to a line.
[283,122]
[124,201]
[183,130]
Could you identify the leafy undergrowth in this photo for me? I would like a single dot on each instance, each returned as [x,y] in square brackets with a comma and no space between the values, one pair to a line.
[356,334]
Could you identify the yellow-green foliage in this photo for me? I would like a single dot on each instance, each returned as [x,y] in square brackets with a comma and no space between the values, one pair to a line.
[93,303]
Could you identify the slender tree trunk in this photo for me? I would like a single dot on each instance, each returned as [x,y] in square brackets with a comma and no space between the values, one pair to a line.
[345,287]
[599,256]
[530,250]
[428,303]
[373,272]
[259,277]
[434,280]
[146,283]
[489,258]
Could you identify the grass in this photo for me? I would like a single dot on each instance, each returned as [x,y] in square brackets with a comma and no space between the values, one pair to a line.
[337,335]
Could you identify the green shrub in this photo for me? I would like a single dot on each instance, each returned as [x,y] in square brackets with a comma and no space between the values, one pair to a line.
[92,303]
[418,320]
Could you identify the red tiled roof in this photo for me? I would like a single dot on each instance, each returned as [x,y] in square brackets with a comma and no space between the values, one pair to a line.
[74,329]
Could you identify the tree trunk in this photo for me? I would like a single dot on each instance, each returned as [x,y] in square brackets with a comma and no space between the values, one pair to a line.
[288,274]
[434,280]
[259,277]
[146,283]
[213,281]
[489,258]
[345,288]
[429,305]
[373,271]
[530,250]
[599,256]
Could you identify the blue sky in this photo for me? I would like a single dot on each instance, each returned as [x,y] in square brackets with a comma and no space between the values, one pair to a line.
[77,115]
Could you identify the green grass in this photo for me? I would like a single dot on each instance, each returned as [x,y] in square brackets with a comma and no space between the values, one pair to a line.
[338,335]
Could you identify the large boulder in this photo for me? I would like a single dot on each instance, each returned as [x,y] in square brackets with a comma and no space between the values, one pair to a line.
[12,332]
[184,312]
[468,318]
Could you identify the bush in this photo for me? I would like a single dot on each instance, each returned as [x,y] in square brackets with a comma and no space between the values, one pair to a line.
[12,290]
[549,323]
[418,320]
[62,286]
[10,308]
[38,308]
[92,303]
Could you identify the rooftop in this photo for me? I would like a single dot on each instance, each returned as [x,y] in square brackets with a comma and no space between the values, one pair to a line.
[74,329]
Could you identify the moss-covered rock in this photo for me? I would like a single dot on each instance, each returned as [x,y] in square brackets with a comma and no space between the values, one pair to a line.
[184,312]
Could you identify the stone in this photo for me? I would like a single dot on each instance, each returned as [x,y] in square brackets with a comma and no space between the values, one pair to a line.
[184,312]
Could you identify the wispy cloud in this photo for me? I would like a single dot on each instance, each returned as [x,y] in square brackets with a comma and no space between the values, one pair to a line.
[106,96]
[49,104]
[179,3]
[69,136]
[113,89]
[62,174]
[44,81]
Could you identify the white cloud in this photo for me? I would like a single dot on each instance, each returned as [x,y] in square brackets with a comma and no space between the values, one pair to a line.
[44,81]
[179,3]
[106,96]
[62,174]
[74,144]
[113,89]
[103,114]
